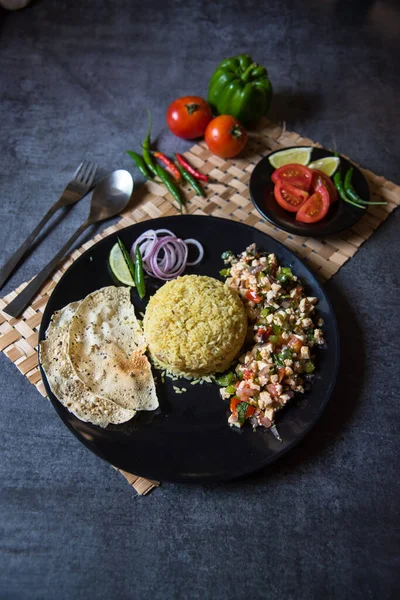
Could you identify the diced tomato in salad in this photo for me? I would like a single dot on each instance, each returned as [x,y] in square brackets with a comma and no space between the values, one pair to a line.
[253,297]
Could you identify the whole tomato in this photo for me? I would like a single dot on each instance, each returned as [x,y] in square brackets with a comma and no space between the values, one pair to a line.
[225,136]
[188,117]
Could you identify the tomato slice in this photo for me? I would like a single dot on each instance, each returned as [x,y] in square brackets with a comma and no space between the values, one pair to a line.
[250,411]
[253,297]
[288,196]
[233,403]
[316,207]
[296,175]
[319,178]
[233,406]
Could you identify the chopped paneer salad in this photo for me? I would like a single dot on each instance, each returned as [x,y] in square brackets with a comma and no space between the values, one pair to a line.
[284,330]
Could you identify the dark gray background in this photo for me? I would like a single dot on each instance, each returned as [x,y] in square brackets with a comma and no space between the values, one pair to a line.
[76,79]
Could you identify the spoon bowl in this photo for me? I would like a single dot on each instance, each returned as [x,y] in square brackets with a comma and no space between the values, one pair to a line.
[111,195]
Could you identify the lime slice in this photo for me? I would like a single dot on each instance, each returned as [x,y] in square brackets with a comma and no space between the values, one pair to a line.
[119,267]
[327,165]
[298,156]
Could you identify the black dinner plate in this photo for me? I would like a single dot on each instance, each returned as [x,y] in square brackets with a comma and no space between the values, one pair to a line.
[188,437]
[340,216]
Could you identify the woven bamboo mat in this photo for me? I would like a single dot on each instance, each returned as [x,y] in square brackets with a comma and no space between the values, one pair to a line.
[227,197]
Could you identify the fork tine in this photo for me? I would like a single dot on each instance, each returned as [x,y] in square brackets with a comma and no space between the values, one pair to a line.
[90,175]
[79,170]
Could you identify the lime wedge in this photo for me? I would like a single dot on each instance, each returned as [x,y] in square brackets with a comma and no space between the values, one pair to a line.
[327,165]
[119,267]
[298,156]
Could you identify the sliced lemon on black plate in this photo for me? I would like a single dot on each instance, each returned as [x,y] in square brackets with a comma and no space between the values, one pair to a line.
[119,265]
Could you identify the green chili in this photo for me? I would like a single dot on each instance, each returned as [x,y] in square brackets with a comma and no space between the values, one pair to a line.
[285,274]
[146,149]
[225,380]
[141,165]
[170,185]
[139,274]
[192,181]
[127,258]
[337,180]
[230,389]
[350,191]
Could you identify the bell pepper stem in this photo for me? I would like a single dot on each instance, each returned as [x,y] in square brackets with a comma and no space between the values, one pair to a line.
[247,72]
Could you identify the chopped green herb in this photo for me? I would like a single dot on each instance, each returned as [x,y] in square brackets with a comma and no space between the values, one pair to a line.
[241,411]
[279,359]
[227,254]
[276,329]
[309,367]
[224,272]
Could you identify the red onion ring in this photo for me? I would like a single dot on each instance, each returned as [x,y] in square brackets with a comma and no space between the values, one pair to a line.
[164,255]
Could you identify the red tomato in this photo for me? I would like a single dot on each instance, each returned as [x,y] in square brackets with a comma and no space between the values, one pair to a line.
[188,117]
[233,403]
[289,197]
[296,175]
[225,136]
[316,207]
[250,411]
[318,178]
[253,296]
[264,333]
[295,343]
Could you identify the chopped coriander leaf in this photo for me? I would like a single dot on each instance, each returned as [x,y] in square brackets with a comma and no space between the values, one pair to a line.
[224,272]
[227,254]
[309,367]
[279,359]
[266,311]
[241,411]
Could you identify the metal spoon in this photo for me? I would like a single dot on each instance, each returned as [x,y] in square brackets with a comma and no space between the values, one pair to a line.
[110,197]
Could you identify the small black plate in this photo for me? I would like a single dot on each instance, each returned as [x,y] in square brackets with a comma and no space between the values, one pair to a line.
[188,438]
[341,215]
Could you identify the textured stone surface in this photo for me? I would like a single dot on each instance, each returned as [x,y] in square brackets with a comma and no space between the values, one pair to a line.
[76,78]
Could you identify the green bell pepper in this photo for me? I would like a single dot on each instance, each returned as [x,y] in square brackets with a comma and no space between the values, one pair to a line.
[241,88]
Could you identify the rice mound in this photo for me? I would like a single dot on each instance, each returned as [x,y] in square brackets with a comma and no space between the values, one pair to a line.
[195,325]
